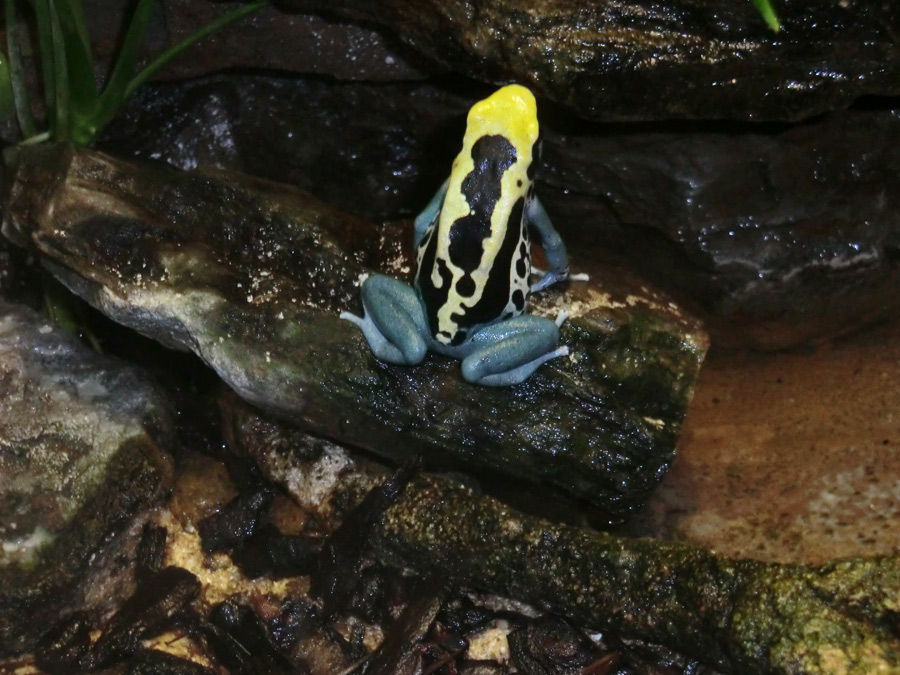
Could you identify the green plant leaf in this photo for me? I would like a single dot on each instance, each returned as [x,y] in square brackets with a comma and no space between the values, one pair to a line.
[62,92]
[66,311]
[54,67]
[76,111]
[768,13]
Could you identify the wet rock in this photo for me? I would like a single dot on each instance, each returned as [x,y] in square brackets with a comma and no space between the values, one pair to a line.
[626,60]
[468,626]
[550,645]
[269,553]
[83,455]
[267,39]
[202,488]
[247,629]
[341,559]
[236,522]
[482,668]
[69,648]
[154,662]
[19,276]
[397,654]
[785,234]
[323,478]
[781,234]
[367,148]
[155,602]
[255,290]
[379,594]
[151,552]
[301,43]
[314,643]
[615,60]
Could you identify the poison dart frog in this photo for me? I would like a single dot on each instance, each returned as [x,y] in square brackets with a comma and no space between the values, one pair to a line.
[473,252]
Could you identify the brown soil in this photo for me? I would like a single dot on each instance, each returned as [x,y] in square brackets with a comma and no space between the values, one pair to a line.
[790,456]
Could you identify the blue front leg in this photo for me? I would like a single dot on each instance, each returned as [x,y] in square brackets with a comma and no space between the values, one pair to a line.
[554,248]
[394,322]
[508,352]
[429,213]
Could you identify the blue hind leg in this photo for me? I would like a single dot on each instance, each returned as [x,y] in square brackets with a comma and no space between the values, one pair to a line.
[393,323]
[508,352]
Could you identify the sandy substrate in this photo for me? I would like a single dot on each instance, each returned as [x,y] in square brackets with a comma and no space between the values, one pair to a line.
[791,456]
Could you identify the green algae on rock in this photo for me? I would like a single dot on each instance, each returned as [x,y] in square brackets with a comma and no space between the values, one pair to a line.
[251,276]
[742,616]
[83,454]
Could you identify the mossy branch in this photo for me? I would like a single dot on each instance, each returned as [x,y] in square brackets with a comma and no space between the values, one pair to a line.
[737,615]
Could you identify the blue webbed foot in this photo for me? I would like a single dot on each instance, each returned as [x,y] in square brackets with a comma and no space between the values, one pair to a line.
[549,278]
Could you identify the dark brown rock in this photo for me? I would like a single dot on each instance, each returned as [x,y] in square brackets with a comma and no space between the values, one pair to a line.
[627,60]
[610,60]
[783,233]
[252,275]
[83,455]
[300,43]
[367,148]
[19,276]
[780,233]
[267,39]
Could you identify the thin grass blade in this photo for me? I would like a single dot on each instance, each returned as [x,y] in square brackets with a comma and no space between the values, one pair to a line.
[229,17]
[768,14]
[7,100]
[62,93]
[16,72]
[118,91]
[44,27]
[83,95]
[114,93]
[65,310]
